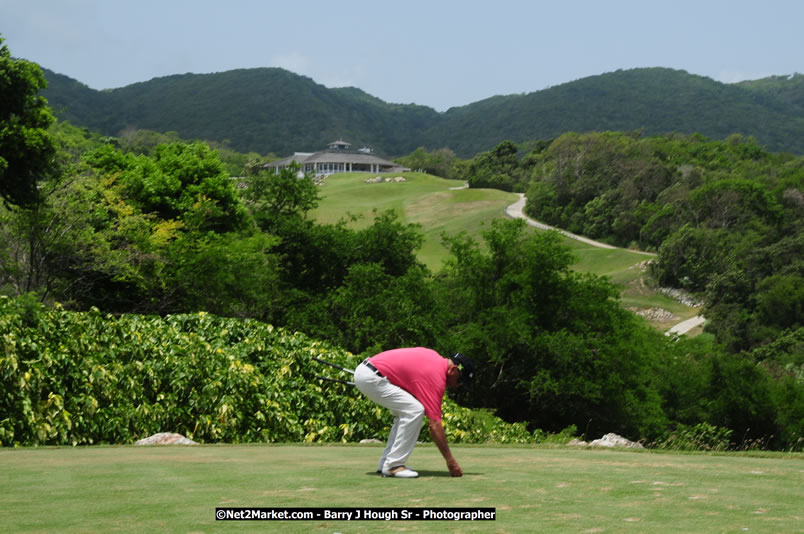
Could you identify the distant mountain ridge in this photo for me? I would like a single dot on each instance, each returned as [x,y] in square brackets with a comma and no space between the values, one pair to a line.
[268,110]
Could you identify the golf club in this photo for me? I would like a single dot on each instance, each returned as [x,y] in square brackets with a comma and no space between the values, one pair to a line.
[335,380]
[335,365]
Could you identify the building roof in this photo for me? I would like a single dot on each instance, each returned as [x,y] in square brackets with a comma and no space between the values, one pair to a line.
[340,144]
[332,156]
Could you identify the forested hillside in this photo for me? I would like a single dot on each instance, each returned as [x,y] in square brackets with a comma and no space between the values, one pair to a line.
[654,101]
[787,89]
[254,110]
[726,217]
[275,111]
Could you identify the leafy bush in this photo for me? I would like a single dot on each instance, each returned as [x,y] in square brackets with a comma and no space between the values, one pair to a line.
[83,378]
[463,425]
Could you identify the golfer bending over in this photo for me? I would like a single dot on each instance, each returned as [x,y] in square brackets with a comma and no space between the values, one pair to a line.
[410,382]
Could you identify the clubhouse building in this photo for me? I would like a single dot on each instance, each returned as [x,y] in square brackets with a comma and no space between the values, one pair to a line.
[338,157]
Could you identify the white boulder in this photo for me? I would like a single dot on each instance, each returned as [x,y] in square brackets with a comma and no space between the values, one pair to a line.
[166,438]
[609,440]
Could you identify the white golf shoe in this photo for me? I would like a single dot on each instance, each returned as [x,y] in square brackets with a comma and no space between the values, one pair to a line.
[400,472]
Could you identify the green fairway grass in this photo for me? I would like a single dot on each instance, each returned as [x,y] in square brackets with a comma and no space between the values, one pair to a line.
[533,489]
[439,208]
[422,199]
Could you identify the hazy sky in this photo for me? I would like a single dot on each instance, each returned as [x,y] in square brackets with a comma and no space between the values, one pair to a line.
[436,53]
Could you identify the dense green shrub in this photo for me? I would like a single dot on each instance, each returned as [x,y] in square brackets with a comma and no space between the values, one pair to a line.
[82,378]
[552,347]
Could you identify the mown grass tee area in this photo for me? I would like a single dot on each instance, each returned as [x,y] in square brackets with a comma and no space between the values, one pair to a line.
[534,489]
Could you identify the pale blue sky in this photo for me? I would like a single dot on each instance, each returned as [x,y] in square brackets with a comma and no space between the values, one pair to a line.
[435,53]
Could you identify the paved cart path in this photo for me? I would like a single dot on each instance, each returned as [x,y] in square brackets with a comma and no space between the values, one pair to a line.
[516,211]
[685,326]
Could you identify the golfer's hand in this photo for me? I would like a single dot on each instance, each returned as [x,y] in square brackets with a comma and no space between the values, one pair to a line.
[454,469]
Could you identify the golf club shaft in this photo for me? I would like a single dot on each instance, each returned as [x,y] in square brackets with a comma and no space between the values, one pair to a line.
[335,365]
[335,380]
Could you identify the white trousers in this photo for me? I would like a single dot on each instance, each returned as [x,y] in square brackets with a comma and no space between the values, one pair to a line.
[408,416]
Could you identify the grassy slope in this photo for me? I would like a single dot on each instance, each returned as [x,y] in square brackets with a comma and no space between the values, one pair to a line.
[421,199]
[429,201]
[534,489]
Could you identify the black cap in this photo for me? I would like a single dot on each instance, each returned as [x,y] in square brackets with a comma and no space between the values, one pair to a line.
[466,367]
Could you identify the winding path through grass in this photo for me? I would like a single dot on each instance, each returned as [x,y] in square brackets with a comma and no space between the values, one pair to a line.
[516,211]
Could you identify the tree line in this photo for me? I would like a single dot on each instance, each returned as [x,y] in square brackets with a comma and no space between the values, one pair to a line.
[725,217]
[164,229]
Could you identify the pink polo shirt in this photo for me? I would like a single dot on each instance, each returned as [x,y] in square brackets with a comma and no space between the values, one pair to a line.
[419,371]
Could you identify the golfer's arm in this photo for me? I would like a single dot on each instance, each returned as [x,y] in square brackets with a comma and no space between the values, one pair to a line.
[440,439]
